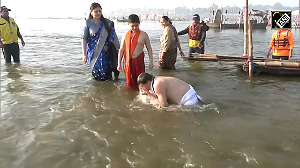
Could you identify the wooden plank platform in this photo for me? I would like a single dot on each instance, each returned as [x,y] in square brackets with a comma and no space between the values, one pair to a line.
[261,64]
[240,60]
[216,57]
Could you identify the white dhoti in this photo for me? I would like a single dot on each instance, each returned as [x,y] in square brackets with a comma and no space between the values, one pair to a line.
[190,98]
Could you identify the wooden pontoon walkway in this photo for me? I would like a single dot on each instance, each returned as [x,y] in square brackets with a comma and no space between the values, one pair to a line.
[261,64]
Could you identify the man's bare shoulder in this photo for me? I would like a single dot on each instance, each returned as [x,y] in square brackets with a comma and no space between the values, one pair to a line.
[143,37]
[144,34]
[162,80]
[159,84]
[169,80]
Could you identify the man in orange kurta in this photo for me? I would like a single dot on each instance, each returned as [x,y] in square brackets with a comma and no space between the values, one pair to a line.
[132,46]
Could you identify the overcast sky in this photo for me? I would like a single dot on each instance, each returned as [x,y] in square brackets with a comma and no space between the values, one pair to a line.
[77,8]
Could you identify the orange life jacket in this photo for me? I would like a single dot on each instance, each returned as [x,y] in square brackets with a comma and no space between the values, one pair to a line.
[195,32]
[282,42]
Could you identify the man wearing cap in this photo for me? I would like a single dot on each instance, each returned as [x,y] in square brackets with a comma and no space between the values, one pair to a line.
[9,33]
[197,34]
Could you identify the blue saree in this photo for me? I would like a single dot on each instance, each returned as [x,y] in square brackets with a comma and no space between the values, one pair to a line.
[99,54]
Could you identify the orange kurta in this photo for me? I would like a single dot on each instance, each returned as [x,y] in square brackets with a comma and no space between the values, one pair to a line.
[133,67]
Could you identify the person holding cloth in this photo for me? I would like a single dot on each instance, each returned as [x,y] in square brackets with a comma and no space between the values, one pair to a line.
[282,44]
[197,35]
[132,46]
[9,32]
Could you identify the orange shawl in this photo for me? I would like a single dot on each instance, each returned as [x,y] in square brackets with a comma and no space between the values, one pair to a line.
[130,47]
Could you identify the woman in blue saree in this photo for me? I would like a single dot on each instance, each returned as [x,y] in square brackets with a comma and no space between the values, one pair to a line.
[100,44]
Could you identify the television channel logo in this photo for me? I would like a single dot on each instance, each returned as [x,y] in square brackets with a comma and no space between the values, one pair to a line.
[281,19]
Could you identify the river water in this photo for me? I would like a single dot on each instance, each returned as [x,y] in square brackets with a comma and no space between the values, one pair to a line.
[53,114]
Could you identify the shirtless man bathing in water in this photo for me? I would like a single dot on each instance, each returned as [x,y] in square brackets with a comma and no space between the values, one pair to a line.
[163,90]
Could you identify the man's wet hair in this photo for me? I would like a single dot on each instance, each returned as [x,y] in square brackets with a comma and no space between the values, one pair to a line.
[133,18]
[143,78]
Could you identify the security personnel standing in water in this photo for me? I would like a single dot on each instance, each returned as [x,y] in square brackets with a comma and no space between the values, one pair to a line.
[197,35]
[9,33]
[282,44]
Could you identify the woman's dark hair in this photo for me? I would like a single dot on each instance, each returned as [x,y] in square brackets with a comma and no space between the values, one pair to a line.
[144,78]
[94,6]
[133,18]
[166,18]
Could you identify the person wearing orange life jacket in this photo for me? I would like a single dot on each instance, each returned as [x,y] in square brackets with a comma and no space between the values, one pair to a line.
[197,35]
[282,44]
[9,32]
